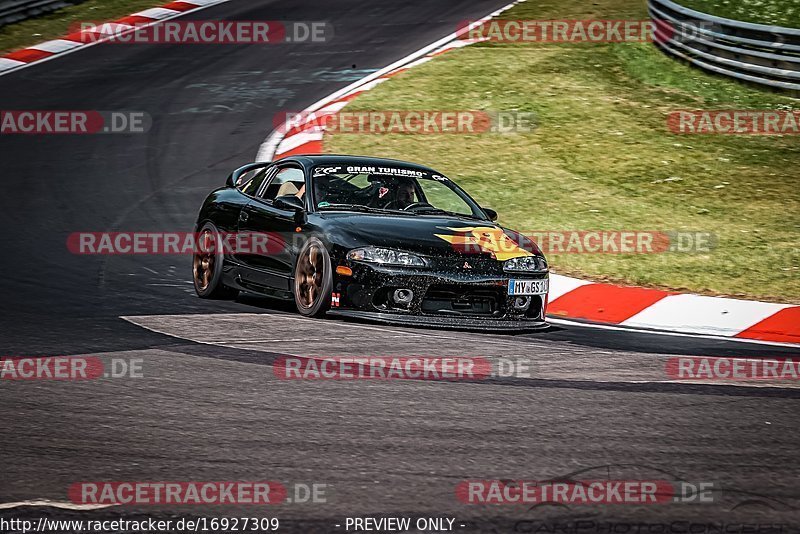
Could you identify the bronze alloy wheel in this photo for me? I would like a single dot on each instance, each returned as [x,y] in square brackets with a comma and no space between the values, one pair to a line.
[204,259]
[310,276]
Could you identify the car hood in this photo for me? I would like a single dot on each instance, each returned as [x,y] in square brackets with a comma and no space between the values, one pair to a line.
[424,234]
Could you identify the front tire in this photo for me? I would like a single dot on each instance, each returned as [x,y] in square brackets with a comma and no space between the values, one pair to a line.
[207,264]
[313,279]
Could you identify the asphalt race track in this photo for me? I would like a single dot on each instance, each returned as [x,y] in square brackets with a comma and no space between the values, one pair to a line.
[210,407]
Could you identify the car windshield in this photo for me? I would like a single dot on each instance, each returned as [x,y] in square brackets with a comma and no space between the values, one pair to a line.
[379,189]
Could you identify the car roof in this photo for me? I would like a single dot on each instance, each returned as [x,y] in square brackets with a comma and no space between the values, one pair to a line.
[309,161]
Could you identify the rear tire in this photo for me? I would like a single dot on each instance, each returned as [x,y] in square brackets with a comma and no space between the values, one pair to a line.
[207,265]
[313,279]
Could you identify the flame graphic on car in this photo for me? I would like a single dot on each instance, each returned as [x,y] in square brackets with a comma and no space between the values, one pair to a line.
[476,239]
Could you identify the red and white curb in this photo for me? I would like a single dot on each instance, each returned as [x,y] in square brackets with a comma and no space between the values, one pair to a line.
[642,308]
[79,40]
[570,298]
[631,307]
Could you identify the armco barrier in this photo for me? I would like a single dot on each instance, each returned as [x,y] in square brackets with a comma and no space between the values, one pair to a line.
[16,10]
[757,53]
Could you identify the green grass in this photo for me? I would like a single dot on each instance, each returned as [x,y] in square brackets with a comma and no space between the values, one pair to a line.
[603,158]
[58,23]
[776,12]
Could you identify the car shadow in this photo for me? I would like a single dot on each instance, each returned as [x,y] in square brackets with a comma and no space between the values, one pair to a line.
[585,336]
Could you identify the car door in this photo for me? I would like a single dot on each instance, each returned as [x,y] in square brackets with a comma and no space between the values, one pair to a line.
[273,268]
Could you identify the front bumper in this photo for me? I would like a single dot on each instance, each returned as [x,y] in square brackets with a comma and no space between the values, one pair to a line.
[447,323]
[466,293]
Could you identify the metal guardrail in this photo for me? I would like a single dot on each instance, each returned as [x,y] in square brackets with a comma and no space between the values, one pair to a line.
[757,53]
[16,10]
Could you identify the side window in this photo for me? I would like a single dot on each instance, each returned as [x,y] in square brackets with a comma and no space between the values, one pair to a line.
[288,181]
[250,182]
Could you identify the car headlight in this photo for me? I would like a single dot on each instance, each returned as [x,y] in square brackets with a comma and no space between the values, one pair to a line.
[526,264]
[386,256]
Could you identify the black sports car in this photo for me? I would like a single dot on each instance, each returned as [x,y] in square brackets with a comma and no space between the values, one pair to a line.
[372,238]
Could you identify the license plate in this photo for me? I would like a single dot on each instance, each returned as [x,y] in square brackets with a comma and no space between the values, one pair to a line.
[528,287]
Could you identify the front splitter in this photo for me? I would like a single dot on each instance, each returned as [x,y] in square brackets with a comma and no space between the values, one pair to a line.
[443,322]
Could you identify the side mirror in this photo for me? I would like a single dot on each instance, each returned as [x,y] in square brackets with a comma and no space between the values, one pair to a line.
[229,182]
[289,203]
[490,213]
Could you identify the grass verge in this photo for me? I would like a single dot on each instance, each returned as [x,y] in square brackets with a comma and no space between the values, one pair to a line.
[602,157]
[59,23]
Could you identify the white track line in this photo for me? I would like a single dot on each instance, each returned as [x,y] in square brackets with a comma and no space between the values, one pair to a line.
[267,149]
[567,322]
[54,504]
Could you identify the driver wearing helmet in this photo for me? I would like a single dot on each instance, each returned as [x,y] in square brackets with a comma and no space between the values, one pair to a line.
[404,193]
[393,193]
